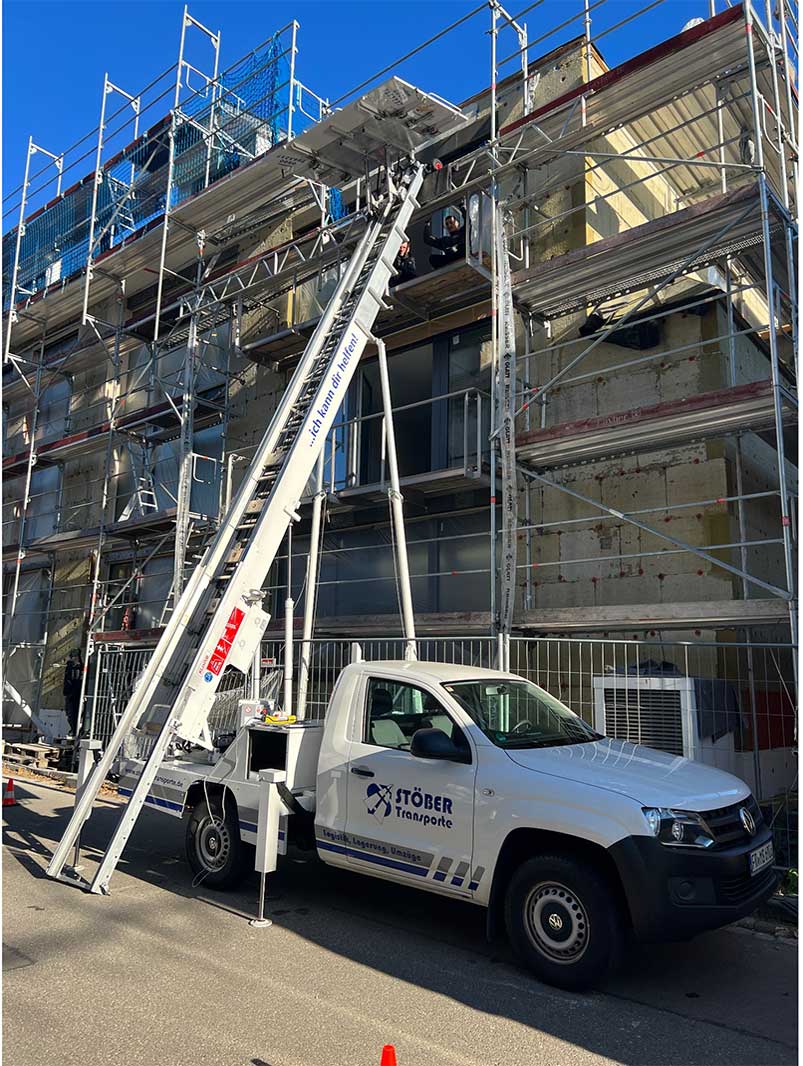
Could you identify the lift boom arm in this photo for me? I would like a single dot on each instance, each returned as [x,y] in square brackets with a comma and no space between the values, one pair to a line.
[218,620]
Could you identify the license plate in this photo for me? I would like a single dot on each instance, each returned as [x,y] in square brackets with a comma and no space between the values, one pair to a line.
[761,857]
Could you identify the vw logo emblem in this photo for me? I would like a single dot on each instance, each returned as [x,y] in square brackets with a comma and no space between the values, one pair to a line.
[747,821]
[555,921]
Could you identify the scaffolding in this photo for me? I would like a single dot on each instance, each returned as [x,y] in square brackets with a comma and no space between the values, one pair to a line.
[144,411]
[621,199]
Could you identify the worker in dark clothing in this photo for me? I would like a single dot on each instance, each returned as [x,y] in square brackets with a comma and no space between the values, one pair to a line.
[451,246]
[72,688]
[404,265]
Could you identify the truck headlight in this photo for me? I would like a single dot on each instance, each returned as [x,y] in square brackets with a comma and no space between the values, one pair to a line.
[679,828]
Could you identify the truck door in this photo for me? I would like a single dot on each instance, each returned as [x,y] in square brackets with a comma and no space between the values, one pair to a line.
[408,818]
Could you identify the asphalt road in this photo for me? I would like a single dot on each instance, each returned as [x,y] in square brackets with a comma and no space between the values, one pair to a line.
[162,972]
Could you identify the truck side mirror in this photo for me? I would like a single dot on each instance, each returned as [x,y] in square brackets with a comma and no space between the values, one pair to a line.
[434,744]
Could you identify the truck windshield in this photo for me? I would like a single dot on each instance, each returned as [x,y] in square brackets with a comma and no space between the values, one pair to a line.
[517,714]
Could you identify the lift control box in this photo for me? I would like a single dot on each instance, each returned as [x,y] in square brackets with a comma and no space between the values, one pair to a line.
[253,709]
[293,748]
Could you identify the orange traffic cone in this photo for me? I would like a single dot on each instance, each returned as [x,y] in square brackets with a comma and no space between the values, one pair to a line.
[388,1056]
[8,794]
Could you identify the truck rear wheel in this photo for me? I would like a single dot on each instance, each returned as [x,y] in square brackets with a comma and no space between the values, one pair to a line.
[215,850]
[563,921]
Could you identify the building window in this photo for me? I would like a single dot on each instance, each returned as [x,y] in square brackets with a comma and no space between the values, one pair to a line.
[411,380]
[469,371]
[139,601]
[440,393]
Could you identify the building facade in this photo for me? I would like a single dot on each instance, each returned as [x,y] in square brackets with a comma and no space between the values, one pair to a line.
[155,313]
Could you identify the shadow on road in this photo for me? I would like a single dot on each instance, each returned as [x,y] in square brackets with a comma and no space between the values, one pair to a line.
[732,980]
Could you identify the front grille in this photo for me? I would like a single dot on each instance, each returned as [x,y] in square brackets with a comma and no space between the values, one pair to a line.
[735,890]
[726,824]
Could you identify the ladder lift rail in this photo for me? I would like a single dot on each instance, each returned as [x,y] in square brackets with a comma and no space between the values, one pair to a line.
[177,677]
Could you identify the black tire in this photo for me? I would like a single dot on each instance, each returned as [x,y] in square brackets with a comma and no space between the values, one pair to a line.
[215,851]
[564,921]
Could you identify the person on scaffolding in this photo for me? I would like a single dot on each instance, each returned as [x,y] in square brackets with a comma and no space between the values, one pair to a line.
[71,688]
[452,245]
[404,265]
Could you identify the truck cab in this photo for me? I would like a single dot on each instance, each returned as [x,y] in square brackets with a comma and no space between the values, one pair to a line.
[480,785]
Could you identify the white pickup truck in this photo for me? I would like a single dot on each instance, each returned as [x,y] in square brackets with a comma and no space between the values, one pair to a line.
[480,785]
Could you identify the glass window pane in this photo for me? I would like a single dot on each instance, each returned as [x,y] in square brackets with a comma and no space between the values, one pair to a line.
[469,369]
[410,374]
[397,710]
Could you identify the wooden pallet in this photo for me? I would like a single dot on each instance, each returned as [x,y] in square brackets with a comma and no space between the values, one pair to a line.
[37,755]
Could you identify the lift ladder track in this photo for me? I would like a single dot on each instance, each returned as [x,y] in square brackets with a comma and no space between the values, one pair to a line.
[179,682]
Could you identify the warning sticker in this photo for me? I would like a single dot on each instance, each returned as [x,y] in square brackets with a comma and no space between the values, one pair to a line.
[218,658]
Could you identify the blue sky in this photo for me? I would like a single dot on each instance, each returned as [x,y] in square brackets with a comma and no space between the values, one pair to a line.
[55,54]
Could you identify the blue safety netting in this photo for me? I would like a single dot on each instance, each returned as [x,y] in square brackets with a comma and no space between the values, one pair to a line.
[337,209]
[246,112]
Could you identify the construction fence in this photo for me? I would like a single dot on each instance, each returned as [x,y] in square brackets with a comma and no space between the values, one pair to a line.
[728,705]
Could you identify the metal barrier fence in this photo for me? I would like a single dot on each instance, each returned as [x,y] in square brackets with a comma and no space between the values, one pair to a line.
[116,669]
[728,705]
[115,672]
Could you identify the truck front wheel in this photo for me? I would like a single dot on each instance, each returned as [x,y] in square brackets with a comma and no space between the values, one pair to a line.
[563,921]
[215,850]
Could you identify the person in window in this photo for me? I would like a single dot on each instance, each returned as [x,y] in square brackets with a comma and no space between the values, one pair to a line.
[404,265]
[71,689]
[451,246]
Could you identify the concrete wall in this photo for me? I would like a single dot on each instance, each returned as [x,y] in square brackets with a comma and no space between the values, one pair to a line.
[667,480]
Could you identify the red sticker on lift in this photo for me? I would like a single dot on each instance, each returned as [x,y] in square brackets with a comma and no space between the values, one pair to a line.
[218,658]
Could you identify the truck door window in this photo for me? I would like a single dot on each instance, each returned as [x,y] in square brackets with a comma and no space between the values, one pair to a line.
[395,710]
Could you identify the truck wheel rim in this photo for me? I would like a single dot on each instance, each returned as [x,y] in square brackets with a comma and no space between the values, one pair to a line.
[213,843]
[556,922]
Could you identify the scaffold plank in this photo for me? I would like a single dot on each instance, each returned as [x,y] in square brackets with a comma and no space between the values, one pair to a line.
[651,428]
[636,258]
